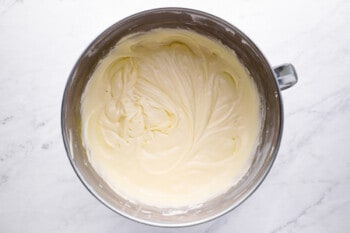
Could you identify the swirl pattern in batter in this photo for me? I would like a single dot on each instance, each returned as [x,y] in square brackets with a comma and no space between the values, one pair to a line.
[170,118]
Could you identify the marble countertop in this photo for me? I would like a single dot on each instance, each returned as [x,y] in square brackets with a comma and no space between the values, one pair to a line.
[308,187]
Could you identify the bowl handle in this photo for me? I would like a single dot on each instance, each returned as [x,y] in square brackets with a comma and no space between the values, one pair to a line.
[286,76]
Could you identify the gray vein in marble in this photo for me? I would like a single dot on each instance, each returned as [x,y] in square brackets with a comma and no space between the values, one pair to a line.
[218,223]
[5,5]
[344,91]
[3,179]
[7,119]
[45,146]
[16,149]
[40,124]
[337,102]
[295,220]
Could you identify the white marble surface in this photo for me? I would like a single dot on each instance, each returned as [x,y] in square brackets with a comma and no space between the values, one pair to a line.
[308,189]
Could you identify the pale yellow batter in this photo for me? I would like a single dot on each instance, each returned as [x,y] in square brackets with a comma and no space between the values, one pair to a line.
[170,118]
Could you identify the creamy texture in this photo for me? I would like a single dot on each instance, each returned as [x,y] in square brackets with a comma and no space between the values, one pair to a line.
[170,118]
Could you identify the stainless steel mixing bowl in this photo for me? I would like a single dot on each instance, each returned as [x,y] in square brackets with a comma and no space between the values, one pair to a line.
[268,80]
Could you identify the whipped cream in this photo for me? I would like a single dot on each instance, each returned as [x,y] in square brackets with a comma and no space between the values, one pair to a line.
[170,118]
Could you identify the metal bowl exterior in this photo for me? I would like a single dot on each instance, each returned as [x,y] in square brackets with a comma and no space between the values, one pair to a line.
[250,56]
